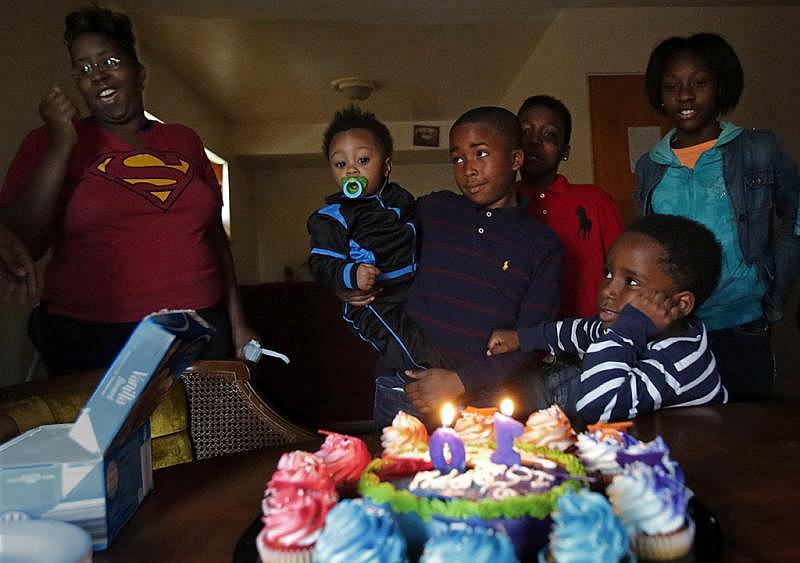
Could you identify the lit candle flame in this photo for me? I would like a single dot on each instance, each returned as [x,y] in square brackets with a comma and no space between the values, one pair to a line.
[448,414]
[507,407]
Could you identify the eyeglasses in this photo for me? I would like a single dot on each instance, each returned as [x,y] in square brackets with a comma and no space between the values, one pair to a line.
[84,70]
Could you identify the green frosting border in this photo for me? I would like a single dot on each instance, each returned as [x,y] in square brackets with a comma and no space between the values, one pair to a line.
[537,505]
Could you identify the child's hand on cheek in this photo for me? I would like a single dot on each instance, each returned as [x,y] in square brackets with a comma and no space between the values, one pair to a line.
[366,276]
[658,306]
[502,341]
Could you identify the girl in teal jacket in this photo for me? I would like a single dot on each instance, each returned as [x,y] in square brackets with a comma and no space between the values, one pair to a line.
[741,185]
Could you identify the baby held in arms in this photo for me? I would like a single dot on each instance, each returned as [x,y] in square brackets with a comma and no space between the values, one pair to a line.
[645,349]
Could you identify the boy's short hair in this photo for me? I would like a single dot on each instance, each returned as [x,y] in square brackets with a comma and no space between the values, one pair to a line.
[94,19]
[554,104]
[719,55]
[505,121]
[353,117]
[692,255]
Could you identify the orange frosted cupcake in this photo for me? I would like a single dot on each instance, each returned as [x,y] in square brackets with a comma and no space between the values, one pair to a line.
[548,428]
[407,437]
[475,427]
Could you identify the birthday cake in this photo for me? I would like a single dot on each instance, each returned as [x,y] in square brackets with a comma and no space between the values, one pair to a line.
[495,492]
[516,497]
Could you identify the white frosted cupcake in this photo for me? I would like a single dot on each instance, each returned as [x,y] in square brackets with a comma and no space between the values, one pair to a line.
[598,453]
[652,506]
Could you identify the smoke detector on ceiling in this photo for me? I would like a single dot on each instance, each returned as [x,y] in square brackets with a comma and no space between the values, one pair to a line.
[353,87]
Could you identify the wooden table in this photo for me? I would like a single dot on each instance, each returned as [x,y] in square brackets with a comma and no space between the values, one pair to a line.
[742,461]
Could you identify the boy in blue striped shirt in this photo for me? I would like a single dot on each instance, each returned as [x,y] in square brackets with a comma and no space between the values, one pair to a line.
[645,350]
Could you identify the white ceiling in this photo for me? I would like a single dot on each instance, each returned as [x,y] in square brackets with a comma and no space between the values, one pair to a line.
[271,62]
[272,66]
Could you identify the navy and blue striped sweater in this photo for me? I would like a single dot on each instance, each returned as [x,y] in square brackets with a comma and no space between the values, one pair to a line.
[624,374]
[377,230]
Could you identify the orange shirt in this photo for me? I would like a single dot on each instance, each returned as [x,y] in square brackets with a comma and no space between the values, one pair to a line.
[688,155]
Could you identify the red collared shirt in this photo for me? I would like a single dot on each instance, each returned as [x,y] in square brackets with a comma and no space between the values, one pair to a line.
[587,221]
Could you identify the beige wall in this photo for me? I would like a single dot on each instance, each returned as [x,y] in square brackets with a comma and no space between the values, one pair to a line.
[169,98]
[244,221]
[33,58]
[619,40]
[285,197]
[307,139]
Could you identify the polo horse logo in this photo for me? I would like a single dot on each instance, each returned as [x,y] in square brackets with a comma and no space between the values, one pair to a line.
[584,223]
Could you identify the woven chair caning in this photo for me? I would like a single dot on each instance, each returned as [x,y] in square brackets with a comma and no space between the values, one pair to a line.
[226,415]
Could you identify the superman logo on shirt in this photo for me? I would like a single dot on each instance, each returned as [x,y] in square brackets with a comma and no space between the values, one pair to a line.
[160,177]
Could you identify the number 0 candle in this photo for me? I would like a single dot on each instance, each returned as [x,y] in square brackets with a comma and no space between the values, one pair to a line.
[505,430]
[447,436]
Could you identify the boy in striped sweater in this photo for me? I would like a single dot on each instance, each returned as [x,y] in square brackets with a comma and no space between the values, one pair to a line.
[644,350]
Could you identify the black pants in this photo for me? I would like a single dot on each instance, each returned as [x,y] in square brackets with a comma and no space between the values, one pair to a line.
[68,345]
[745,360]
[386,327]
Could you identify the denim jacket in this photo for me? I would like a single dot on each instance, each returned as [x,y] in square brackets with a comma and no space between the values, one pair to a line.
[763,188]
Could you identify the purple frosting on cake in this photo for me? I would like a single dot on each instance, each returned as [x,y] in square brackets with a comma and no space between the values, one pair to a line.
[654,454]
[649,499]
[484,481]
[667,486]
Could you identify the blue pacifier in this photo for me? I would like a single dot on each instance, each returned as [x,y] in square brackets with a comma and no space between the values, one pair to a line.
[353,186]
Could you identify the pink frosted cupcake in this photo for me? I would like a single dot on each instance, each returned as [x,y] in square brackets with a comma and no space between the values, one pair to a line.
[297,498]
[345,457]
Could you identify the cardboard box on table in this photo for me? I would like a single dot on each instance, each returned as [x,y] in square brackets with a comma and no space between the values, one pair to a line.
[96,471]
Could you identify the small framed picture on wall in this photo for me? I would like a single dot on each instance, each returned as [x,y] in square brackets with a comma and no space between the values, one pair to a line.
[426,136]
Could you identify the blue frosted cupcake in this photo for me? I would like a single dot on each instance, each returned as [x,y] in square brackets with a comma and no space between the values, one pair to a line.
[479,544]
[358,531]
[585,530]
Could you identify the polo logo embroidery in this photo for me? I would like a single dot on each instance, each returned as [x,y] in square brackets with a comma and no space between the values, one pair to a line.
[160,178]
[506,265]
[584,223]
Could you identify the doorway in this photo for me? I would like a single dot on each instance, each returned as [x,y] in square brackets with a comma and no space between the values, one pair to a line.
[624,127]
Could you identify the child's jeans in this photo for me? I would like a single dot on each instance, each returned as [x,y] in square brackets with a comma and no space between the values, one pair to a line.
[560,381]
[390,397]
[553,381]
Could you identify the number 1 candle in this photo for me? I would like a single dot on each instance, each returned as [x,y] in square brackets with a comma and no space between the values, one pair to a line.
[447,436]
[505,430]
